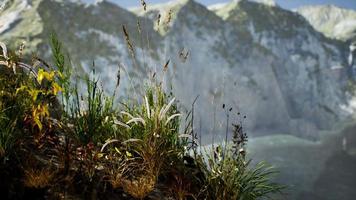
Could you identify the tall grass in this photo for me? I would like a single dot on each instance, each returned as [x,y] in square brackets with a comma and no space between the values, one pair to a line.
[148,142]
[92,113]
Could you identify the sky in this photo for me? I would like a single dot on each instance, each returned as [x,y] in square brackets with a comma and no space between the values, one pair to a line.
[289,4]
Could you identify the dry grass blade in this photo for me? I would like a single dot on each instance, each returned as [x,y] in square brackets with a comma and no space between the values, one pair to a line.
[4,50]
[107,143]
[28,67]
[117,122]
[172,117]
[3,63]
[185,136]
[165,67]
[136,120]
[118,76]
[128,41]
[147,108]
[165,109]
[131,141]
[127,114]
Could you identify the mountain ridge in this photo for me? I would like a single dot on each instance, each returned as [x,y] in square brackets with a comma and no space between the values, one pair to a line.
[333,21]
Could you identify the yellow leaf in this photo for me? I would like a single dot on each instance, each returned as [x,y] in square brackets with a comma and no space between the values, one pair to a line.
[21,89]
[117,150]
[128,154]
[51,76]
[38,113]
[56,88]
[34,94]
[38,122]
[45,75]
[44,110]
[100,155]
[40,76]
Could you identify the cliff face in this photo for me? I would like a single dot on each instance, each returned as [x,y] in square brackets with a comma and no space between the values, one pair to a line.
[263,61]
[306,66]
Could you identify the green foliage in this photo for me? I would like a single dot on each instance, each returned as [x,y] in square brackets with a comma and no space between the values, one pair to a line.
[13,106]
[148,142]
[7,135]
[92,114]
[230,177]
[156,117]
[86,140]
[64,69]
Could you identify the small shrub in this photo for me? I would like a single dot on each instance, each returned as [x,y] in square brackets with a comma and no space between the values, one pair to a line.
[149,142]
[228,175]
[231,178]
[38,178]
[141,186]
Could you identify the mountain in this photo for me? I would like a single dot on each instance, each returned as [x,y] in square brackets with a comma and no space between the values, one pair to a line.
[305,63]
[285,76]
[333,21]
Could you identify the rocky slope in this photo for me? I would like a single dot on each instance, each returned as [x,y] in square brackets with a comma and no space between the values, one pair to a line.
[333,21]
[285,76]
